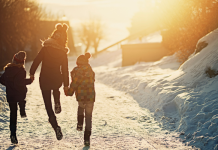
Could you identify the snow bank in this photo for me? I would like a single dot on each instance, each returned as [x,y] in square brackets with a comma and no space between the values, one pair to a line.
[182,98]
[3,105]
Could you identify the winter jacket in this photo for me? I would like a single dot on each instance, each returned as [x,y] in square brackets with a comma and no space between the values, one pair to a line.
[82,84]
[54,70]
[14,78]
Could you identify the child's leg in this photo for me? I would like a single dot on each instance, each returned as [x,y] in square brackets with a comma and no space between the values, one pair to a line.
[56,95]
[13,117]
[22,106]
[88,115]
[88,118]
[80,116]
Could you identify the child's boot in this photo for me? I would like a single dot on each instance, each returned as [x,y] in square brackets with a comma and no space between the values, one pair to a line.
[13,134]
[87,135]
[80,119]
[14,139]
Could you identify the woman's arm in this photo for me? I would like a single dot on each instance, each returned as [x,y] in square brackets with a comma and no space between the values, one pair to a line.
[65,72]
[36,62]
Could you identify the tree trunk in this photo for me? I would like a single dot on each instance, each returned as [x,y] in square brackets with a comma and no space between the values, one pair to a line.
[87,48]
[96,49]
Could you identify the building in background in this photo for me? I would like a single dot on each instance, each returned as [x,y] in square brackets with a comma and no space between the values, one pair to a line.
[144,49]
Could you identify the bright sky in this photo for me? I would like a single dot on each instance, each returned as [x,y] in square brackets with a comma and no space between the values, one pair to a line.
[116,14]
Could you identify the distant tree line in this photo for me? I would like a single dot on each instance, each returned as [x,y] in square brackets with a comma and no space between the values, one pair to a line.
[21,22]
[183,23]
[18,21]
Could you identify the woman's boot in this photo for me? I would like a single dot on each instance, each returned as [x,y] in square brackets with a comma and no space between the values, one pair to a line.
[57,108]
[80,119]
[22,106]
[87,135]
[58,132]
[56,128]
[56,95]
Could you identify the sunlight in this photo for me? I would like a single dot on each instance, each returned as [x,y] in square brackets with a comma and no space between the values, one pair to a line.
[117,15]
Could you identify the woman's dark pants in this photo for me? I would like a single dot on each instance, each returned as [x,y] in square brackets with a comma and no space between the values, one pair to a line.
[48,105]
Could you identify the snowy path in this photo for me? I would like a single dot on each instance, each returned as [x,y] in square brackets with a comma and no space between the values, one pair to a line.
[118,123]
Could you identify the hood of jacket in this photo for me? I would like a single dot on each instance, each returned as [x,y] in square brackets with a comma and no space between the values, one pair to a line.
[54,43]
[12,70]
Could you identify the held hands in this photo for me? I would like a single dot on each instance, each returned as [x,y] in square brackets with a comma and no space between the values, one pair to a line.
[32,77]
[66,91]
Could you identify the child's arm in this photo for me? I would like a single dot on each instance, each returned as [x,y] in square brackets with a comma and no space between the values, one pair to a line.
[65,72]
[71,89]
[76,80]
[28,81]
[20,79]
[2,79]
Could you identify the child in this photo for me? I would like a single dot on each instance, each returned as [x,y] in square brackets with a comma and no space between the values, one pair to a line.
[14,78]
[82,84]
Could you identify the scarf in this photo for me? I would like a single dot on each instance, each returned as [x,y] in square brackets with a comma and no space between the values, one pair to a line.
[54,43]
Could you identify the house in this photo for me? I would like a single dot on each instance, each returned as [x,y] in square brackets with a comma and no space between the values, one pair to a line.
[147,49]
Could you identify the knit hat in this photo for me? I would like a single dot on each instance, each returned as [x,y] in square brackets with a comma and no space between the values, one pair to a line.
[19,57]
[83,59]
[60,33]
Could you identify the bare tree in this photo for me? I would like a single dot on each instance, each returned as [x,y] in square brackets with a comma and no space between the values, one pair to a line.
[85,35]
[97,33]
[91,33]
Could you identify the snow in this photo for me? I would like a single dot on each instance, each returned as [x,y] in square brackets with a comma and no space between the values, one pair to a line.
[153,105]
[118,123]
[182,98]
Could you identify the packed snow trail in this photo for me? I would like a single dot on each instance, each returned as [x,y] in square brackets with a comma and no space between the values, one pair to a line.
[118,123]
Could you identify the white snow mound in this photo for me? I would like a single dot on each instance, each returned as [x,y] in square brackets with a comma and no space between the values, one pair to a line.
[183,98]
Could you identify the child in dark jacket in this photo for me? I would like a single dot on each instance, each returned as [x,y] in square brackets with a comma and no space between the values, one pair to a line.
[14,78]
[82,84]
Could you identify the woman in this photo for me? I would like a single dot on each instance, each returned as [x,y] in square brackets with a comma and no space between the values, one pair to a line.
[54,72]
